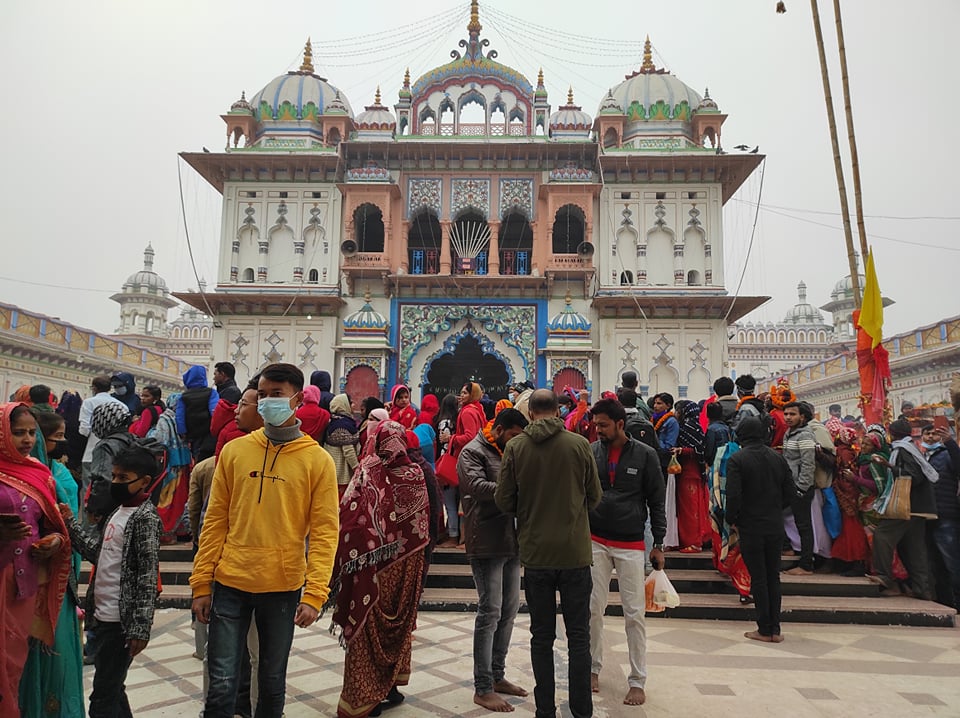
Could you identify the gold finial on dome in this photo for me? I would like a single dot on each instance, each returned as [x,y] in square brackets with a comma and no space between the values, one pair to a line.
[568,299]
[474,25]
[570,95]
[367,296]
[376,98]
[307,64]
[540,78]
[647,65]
[406,78]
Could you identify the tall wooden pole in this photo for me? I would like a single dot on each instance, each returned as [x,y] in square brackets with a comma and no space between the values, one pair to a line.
[841,185]
[848,109]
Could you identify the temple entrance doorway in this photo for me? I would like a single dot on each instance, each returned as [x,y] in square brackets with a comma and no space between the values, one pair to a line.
[468,362]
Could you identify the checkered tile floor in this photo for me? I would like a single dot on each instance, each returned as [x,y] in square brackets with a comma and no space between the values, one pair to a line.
[696,668]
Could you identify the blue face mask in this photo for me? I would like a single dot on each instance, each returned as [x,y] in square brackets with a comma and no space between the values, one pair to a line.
[275,410]
[931,447]
[564,410]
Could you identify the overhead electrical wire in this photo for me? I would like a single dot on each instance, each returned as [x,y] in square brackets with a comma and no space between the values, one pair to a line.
[868,216]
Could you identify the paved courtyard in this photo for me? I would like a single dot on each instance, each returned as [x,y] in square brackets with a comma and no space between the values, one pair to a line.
[696,668]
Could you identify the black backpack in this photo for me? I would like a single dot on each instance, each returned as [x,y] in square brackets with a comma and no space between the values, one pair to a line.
[642,430]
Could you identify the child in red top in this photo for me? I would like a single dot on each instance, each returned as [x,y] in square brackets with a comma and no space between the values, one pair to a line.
[400,409]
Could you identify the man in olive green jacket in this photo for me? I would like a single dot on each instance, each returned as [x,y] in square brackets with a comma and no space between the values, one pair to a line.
[549,481]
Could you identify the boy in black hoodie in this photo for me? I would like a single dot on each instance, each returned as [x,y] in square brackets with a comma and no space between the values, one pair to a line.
[759,487]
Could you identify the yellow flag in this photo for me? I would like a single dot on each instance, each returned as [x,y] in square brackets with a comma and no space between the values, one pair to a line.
[871,311]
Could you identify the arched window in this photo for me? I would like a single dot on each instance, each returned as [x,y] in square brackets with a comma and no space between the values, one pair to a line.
[148,324]
[802,336]
[473,115]
[333,137]
[469,243]
[205,333]
[368,228]
[626,278]
[751,337]
[248,274]
[313,276]
[568,229]
[428,122]
[498,118]
[693,278]
[610,138]
[792,336]
[423,243]
[447,118]
[196,333]
[516,243]
[781,337]
[134,318]
[176,332]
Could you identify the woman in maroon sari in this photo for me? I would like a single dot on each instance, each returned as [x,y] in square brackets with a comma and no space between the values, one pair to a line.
[384,529]
[35,557]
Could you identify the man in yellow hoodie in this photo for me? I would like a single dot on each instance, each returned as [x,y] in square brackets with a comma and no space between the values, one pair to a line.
[274,494]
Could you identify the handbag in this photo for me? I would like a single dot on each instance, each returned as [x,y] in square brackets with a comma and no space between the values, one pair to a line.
[897,505]
[446,470]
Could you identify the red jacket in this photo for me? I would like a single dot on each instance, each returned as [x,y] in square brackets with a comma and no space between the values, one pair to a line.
[470,420]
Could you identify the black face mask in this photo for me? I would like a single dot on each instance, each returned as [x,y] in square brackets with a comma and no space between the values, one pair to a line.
[121,492]
[58,451]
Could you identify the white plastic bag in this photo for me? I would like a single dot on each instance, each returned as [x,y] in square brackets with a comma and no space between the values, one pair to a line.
[660,593]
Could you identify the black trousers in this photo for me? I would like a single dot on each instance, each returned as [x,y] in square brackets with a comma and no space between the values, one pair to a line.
[762,555]
[801,514]
[575,585]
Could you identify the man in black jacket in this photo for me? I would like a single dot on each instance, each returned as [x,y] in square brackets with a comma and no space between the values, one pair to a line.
[944,455]
[491,542]
[224,379]
[759,487]
[632,484]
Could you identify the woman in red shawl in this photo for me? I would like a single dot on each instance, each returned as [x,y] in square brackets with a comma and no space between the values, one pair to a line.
[384,530]
[401,410]
[851,545]
[35,558]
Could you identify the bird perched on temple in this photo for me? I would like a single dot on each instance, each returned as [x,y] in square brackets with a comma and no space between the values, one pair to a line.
[742,148]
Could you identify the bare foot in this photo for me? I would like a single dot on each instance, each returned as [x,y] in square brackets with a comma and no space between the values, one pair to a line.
[594,682]
[492,702]
[757,636]
[507,688]
[776,638]
[635,697]
[797,571]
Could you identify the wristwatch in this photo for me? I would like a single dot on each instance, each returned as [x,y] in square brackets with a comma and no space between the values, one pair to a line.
[658,547]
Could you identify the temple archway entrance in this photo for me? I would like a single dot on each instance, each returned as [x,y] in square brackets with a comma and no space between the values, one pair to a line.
[468,362]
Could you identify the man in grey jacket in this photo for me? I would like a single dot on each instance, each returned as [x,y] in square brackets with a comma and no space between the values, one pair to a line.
[800,451]
[491,542]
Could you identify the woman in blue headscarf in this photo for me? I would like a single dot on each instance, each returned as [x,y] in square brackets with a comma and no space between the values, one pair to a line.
[171,496]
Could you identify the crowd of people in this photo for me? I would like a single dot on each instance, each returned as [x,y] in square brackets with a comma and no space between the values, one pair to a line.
[340,502]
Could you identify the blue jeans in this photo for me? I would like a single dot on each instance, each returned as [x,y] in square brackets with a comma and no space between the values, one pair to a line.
[946,537]
[230,617]
[111,662]
[575,586]
[498,588]
[451,502]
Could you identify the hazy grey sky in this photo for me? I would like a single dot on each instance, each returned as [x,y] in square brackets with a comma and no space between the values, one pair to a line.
[101,96]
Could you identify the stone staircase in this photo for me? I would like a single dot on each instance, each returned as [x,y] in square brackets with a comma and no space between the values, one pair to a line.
[704,593]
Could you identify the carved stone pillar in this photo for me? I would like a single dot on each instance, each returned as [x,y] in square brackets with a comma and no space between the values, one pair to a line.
[493,251]
[445,247]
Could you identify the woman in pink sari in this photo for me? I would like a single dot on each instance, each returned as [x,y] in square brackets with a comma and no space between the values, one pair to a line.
[35,558]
